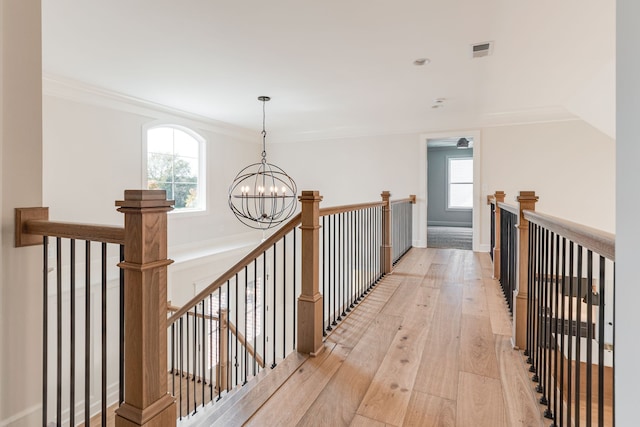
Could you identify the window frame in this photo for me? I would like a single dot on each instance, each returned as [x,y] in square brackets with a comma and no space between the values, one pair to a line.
[449,183]
[202,164]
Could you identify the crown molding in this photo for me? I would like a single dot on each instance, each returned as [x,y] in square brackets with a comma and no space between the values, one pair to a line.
[77,91]
[528,116]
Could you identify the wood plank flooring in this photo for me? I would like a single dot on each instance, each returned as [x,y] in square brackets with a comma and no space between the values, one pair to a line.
[430,346]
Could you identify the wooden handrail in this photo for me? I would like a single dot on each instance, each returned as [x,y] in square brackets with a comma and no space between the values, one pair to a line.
[294,222]
[92,232]
[410,199]
[491,199]
[348,208]
[593,239]
[510,208]
[232,327]
[247,345]
[237,267]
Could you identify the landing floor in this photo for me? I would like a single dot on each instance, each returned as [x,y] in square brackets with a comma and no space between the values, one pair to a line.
[430,346]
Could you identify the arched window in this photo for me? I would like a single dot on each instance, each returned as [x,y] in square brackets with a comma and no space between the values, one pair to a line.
[175,163]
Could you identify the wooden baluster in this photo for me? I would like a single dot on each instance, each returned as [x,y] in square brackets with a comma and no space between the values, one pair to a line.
[499,197]
[527,201]
[310,299]
[146,401]
[386,251]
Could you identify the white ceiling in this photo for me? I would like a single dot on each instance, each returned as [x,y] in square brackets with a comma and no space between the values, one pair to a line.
[344,67]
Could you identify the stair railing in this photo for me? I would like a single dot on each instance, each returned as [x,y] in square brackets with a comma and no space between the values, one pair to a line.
[564,313]
[245,322]
[136,379]
[285,295]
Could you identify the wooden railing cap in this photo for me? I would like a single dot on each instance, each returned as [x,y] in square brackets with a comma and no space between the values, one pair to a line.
[145,199]
[527,196]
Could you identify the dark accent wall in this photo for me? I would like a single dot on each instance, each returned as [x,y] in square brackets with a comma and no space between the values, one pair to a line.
[437,213]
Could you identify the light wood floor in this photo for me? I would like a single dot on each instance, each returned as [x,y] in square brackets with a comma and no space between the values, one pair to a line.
[429,347]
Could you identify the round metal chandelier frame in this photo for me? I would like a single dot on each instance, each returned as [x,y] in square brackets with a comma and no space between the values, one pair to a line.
[262,195]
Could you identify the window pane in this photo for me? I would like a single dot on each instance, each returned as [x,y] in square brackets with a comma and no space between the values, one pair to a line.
[173,165]
[185,144]
[186,195]
[461,170]
[461,196]
[185,169]
[160,140]
[159,167]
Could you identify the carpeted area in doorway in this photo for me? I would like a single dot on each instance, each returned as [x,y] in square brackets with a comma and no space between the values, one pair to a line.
[449,237]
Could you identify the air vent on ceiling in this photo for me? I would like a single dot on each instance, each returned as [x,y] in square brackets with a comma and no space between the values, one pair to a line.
[479,50]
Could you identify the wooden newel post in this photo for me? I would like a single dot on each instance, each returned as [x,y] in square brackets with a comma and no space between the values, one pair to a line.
[499,197]
[146,401]
[310,300]
[386,251]
[527,201]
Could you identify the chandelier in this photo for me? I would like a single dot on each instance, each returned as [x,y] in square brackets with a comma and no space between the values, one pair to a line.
[262,195]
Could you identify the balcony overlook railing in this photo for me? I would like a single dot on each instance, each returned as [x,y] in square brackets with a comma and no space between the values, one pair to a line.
[560,277]
[169,362]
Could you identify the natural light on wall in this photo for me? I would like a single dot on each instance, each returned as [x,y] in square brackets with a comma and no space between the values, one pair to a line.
[460,183]
[174,163]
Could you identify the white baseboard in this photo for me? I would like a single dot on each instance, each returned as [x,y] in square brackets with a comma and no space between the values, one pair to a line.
[28,417]
[449,224]
[484,247]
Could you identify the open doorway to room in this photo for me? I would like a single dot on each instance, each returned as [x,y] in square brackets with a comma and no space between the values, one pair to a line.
[450,192]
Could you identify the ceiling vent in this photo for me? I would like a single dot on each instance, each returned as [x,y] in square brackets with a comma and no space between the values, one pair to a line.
[479,50]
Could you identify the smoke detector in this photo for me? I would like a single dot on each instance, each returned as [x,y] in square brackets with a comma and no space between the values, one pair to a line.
[479,50]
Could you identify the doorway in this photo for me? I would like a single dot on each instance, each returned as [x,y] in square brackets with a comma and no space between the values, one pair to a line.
[450,192]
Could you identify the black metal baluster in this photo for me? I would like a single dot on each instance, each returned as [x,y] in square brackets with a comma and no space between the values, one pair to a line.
[204,348]
[348,256]
[255,316]
[72,333]
[104,334]
[589,298]
[339,268]
[87,331]
[294,294]
[354,259]
[562,332]
[273,345]
[572,330]
[59,330]
[325,325]
[188,361]
[264,307]
[601,326]
[181,341]
[237,351]
[579,336]
[284,295]
[195,356]
[530,284]
[333,264]
[246,326]
[554,352]
[45,326]
[541,315]
[537,329]
[549,347]
[219,356]
[173,359]
[121,311]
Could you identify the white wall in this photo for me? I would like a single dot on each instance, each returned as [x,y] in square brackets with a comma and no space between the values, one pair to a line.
[570,165]
[627,319]
[21,182]
[93,152]
[351,170]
